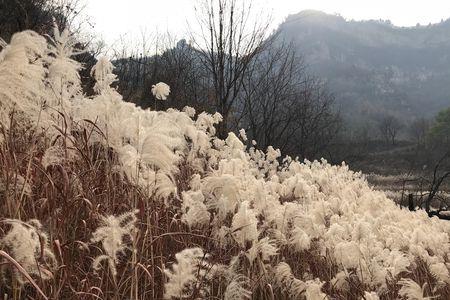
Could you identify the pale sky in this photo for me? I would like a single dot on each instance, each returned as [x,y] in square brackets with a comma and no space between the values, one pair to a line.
[113,18]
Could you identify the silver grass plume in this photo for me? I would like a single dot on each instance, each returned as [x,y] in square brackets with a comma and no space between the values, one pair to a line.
[111,234]
[28,244]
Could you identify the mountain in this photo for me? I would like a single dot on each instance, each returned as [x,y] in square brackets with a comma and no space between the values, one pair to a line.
[373,67]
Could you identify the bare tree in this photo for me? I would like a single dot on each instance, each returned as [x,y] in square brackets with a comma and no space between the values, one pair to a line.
[230,38]
[389,126]
[137,65]
[418,130]
[285,107]
[176,63]
[235,68]
[189,81]
[432,188]
[440,174]
[268,94]
[317,122]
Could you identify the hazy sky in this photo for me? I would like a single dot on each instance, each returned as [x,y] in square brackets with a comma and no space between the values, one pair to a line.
[113,18]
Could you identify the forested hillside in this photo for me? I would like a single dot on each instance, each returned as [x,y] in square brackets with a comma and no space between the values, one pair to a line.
[373,67]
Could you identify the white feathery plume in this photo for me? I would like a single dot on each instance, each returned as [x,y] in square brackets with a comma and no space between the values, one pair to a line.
[111,234]
[223,194]
[411,290]
[164,186]
[440,270]
[160,91]
[243,135]
[287,282]
[186,273]
[238,288]
[195,183]
[158,148]
[264,249]
[22,76]
[340,281]
[195,212]
[313,290]
[300,239]
[26,242]
[222,236]
[130,161]
[103,75]
[190,111]
[273,154]
[235,146]
[348,254]
[63,71]
[244,225]
[206,122]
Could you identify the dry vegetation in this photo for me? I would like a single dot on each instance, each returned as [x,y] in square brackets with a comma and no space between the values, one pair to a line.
[70,200]
[103,200]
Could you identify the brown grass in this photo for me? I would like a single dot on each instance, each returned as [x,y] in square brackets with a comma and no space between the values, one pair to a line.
[69,199]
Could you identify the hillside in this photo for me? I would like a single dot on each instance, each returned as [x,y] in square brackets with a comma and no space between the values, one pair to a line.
[374,67]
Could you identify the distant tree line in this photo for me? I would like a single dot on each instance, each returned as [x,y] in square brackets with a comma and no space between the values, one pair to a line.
[253,78]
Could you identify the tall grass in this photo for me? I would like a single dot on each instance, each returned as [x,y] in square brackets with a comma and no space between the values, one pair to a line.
[102,200]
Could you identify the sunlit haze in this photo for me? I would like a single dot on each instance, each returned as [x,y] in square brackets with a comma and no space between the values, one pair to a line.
[113,18]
